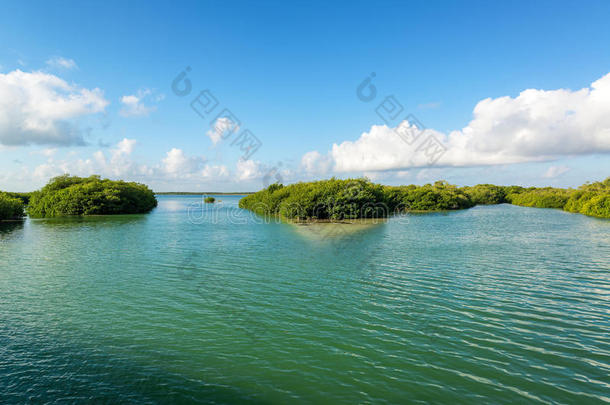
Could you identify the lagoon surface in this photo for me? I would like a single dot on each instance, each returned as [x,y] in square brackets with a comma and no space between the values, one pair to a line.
[206,304]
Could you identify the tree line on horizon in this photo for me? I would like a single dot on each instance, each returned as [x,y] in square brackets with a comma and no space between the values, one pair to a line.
[337,199]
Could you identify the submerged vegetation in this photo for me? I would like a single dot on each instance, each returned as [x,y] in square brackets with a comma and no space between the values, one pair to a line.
[337,199]
[70,195]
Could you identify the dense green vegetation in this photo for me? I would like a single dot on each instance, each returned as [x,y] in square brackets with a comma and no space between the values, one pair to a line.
[540,197]
[430,197]
[24,197]
[336,199]
[484,194]
[10,207]
[209,200]
[591,199]
[71,195]
[327,199]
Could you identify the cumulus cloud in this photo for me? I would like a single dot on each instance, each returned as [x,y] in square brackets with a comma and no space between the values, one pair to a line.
[223,127]
[215,172]
[248,170]
[116,163]
[125,147]
[176,167]
[40,108]
[177,164]
[536,125]
[134,104]
[315,163]
[64,63]
[555,171]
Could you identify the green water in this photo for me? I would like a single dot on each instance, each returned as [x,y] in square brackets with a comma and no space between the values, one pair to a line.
[497,304]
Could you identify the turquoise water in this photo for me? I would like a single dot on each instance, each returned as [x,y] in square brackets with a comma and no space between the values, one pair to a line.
[209,304]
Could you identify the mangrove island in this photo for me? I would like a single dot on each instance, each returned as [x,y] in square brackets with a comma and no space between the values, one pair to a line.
[70,195]
[336,199]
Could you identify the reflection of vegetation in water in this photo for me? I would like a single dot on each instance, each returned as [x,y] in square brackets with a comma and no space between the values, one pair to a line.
[100,221]
[71,195]
[337,231]
[10,226]
[336,199]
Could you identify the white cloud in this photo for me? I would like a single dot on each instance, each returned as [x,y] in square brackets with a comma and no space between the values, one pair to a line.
[315,163]
[177,164]
[536,125]
[248,170]
[64,63]
[176,170]
[126,146]
[133,104]
[555,171]
[118,163]
[40,108]
[223,127]
[215,172]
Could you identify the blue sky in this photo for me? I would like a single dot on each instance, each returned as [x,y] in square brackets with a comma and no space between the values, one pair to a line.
[86,88]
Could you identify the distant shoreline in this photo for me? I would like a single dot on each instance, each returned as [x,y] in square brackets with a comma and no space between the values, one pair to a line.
[200,193]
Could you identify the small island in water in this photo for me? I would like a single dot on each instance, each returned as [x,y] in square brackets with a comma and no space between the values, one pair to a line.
[70,195]
[344,200]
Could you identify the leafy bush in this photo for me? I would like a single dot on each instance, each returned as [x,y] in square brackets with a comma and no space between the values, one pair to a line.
[432,197]
[24,197]
[598,206]
[209,200]
[591,199]
[336,199]
[541,198]
[359,198]
[71,195]
[483,194]
[327,199]
[10,207]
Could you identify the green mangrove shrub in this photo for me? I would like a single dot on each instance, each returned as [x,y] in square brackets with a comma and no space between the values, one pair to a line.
[359,198]
[541,198]
[485,194]
[337,199]
[70,195]
[327,199]
[10,207]
[591,199]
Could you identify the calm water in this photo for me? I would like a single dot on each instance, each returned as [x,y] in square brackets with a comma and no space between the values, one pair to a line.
[493,304]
